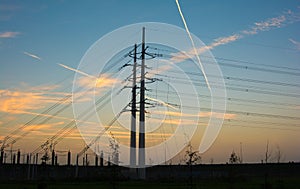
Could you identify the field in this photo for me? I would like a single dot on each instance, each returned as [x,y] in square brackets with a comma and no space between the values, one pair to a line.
[220,176]
[259,183]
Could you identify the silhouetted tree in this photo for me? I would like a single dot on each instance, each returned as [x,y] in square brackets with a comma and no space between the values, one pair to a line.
[267,154]
[192,157]
[278,154]
[233,159]
[114,146]
[45,158]
[211,160]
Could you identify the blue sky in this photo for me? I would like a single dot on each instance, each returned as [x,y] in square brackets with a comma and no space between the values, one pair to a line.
[46,27]
[62,31]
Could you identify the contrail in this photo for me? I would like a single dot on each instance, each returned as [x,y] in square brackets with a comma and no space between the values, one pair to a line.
[78,71]
[162,102]
[32,55]
[296,43]
[193,44]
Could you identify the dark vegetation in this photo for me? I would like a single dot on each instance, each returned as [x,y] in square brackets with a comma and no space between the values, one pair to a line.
[227,176]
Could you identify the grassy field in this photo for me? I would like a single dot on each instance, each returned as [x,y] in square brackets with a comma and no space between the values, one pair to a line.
[259,183]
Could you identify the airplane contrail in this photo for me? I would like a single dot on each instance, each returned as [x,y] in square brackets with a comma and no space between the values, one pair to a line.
[78,71]
[193,44]
[32,55]
[162,102]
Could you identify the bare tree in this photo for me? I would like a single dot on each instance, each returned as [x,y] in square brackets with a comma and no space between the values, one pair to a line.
[278,154]
[114,146]
[192,157]
[211,160]
[115,150]
[267,154]
[240,158]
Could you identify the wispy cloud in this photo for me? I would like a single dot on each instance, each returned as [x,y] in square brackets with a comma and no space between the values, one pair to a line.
[266,25]
[9,34]
[161,68]
[42,88]
[286,18]
[18,101]
[12,101]
[217,115]
[103,81]
[32,55]
[296,43]
[181,56]
[91,82]
[225,40]
[200,114]
[42,126]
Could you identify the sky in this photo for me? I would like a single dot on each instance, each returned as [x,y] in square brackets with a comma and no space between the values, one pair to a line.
[256,43]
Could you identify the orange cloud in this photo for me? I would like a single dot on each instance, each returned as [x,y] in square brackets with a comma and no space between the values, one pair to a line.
[69,134]
[217,115]
[56,117]
[179,122]
[201,114]
[42,126]
[19,101]
[160,69]
[41,87]
[11,101]
[92,82]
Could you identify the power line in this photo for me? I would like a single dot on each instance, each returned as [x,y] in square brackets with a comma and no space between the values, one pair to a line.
[247,88]
[249,113]
[241,42]
[61,101]
[253,101]
[229,78]
[229,60]
[266,92]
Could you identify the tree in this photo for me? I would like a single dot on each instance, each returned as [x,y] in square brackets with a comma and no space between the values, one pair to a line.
[278,154]
[45,158]
[211,160]
[114,146]
[192,157]
[267,154]
[233,159]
